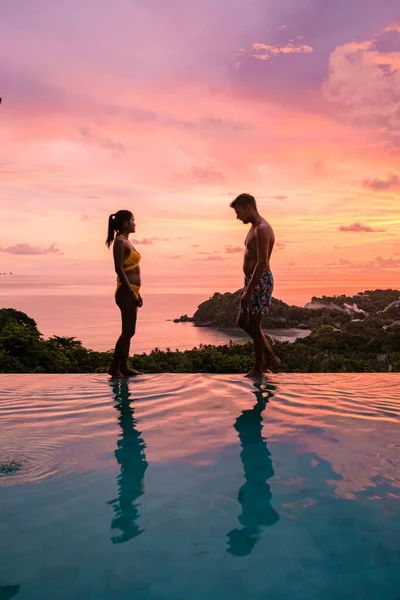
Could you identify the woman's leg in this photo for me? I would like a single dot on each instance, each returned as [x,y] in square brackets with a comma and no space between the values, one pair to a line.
[128,307]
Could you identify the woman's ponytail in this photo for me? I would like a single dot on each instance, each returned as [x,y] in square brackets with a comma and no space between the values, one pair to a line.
[116,223]
[111,230]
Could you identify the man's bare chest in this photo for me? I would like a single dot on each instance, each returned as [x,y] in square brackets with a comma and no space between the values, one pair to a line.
[250,243]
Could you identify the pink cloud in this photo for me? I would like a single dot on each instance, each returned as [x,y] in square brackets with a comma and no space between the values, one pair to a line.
[364,86]
[27,249]
[391,183]
[205,176]
[233,249]
[90,137]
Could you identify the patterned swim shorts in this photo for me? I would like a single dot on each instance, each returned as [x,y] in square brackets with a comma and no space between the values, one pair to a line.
[261,299]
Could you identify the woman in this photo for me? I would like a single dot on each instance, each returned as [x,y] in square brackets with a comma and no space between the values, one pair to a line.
[127,296]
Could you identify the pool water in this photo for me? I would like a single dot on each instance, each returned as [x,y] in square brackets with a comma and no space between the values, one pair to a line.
[195,487]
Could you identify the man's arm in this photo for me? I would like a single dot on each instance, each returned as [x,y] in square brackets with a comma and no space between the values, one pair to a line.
[263,240]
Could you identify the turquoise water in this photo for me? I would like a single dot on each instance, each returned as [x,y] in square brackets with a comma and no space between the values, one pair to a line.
[192,487]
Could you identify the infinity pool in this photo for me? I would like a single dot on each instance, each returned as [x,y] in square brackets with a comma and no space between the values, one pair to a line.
[200,487]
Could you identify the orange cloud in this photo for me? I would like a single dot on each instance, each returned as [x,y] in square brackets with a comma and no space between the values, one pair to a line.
[264,51]
[267,51]
[357,227]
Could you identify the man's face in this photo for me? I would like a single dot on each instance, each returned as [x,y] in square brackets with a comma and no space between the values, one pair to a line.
[242,213]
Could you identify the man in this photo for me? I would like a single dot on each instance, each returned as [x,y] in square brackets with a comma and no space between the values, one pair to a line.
[258,282]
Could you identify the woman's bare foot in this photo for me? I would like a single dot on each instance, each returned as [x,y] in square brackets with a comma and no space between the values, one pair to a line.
[115,373]
[255,374]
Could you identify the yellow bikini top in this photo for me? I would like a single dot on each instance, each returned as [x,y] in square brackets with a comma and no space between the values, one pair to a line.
[132,261]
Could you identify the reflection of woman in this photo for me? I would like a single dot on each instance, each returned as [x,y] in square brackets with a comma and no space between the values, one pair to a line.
[127,294]
[255,494]
[132,460]
[8,591]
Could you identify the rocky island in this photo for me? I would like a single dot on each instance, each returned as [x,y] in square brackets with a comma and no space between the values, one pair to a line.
[220,311]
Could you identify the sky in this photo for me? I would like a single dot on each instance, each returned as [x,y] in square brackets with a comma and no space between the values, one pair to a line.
[171,109]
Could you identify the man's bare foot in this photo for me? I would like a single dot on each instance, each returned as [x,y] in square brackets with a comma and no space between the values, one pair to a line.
[273,361]
[128,372]
[254,374]
[265,370]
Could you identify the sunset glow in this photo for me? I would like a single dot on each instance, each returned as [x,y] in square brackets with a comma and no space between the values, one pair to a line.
[172,109]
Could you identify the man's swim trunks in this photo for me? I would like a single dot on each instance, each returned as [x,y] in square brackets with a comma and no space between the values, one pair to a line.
[261,298]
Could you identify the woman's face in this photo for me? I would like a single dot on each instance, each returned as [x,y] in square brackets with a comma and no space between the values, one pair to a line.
[131,225]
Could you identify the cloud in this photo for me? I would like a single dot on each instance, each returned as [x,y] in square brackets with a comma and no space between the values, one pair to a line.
[364,82]
[144,241]
[265,51]
[279,246]
[99,140]
[84,218]
[214,257]
[131,113]
[206,176]
[211,256]
[291,264]
[387,262]
[391,183]
[149,241]
[377,263]
[357,228]
[276,197]
[27,249]
[195,245]
[233,249]
[173,257]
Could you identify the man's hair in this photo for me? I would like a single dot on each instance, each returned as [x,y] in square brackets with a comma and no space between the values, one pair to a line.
[244,200]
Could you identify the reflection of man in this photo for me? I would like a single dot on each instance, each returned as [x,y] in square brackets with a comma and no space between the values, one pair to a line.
[259,282]
[132,460]
[255,494]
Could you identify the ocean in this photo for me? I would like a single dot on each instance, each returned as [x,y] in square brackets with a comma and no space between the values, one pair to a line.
[87,311]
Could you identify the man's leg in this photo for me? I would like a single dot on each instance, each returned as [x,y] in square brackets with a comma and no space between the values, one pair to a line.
[257,335]
[243,321]
[248,323]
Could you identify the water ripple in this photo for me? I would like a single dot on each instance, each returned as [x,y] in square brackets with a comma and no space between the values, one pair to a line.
[45,418]
[33,457]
